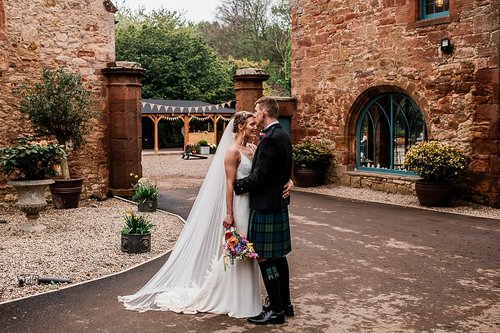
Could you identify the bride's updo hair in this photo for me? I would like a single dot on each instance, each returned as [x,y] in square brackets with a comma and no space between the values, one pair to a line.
[240,118]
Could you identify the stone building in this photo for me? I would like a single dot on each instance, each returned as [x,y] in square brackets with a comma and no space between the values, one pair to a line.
[375,77]
[74,35]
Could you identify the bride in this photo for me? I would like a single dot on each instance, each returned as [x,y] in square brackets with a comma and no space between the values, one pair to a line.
[193,279]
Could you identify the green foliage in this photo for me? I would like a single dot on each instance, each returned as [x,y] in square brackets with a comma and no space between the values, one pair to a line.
[436,162]
[136,224]
[31,159]
[144,189]
[178,61]
[59,105]
[312,154]
[190,147]
[203,142]
[256,31]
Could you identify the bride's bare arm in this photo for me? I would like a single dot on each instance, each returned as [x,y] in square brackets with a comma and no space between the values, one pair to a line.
[231,162]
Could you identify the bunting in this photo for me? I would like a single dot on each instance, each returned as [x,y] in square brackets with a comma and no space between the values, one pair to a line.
[158,108]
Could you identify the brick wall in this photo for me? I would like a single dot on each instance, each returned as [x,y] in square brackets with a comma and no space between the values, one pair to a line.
[345,52]
[73,34]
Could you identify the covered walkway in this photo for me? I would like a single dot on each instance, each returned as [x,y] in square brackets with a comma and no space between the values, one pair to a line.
[186,111]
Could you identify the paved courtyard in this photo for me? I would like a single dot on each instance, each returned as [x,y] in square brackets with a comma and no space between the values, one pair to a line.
[356,267]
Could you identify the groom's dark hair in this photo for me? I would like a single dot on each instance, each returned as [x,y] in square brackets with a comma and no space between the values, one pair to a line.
[269,104]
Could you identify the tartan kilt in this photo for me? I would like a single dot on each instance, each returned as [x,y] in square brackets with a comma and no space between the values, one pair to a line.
[269,231]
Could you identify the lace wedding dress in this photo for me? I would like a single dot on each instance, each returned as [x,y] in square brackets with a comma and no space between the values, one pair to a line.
[193,278]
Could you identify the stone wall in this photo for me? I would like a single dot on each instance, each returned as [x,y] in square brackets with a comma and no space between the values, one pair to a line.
[345,52]
[75,35]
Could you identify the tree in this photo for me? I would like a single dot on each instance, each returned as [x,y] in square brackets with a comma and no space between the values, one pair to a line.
[60,106]
[179,62]
[254,30]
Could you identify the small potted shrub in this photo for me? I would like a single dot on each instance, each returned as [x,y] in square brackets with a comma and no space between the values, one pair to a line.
[204,147]
[437,164]
[58,105]
[145,194]
[213,148]
[136,233]
[31,161]
[310,160]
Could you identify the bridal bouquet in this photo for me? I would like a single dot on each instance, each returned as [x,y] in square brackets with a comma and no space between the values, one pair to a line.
[236,247]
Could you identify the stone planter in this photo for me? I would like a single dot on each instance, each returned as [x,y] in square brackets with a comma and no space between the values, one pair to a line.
[136,243]
[433,194]
[205,150]
[309,177]
[31,200]
[147,205]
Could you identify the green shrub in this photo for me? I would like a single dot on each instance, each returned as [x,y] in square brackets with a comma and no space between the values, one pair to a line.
[312,154]
[436,162]
[136,224]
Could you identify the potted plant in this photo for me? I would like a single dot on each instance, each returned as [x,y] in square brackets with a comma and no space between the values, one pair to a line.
[31,161]
[204,147]
[136,233]
[213,148]
[437,164]
[310,159]
[145,194]
[61,107]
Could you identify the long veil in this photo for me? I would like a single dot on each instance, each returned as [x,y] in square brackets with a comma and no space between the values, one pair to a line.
[199,242]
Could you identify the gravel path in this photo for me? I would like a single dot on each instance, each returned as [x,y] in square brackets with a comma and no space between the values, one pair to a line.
[84,244]
[80,244]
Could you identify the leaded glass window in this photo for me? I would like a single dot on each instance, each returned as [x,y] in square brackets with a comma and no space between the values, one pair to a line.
[388,126]
[434,8]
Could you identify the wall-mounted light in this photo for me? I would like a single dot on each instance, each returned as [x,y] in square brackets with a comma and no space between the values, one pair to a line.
[446,46]
[439,3]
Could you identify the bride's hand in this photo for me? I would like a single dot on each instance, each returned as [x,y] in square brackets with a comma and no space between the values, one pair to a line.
[228,221]
[288,187]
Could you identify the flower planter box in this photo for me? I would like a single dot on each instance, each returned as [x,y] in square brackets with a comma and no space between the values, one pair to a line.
[136,243]
[309,177]
[147,205]
[205,150]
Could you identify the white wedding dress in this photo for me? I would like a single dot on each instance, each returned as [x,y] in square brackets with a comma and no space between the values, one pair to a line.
[193,278]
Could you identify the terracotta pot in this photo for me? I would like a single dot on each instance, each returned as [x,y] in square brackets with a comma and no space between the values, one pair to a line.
[309,177]
[433,194]
[136,243]
[66,193]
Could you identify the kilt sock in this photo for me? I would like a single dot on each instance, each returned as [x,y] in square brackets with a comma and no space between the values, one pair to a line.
[284,273]
[271,279]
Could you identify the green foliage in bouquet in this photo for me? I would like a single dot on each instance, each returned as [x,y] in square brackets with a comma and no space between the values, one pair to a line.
[31,159]
[312,154]
[436,162]
[136,224]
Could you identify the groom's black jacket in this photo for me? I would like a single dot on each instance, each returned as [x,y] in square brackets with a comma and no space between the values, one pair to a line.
[271,170]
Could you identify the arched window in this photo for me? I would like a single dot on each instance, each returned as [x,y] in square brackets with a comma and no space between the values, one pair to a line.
[389,124]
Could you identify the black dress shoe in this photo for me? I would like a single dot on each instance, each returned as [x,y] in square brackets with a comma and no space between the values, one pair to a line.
[268,317]
[287,309]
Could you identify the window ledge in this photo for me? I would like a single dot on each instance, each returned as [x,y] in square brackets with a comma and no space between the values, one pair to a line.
[433,21]
[382,175]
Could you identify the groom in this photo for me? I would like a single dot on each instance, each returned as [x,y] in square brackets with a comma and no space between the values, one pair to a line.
[269,228]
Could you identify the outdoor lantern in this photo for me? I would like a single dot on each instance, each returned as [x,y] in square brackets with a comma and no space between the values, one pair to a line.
[446,46]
